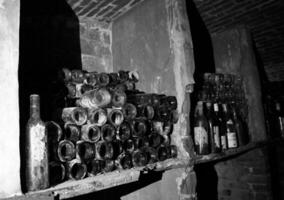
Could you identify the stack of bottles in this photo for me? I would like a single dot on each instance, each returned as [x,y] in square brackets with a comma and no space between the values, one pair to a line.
[109,125]
[220,115]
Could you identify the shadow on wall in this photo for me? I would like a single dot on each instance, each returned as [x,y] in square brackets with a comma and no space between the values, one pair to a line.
[207,179]
[49,41]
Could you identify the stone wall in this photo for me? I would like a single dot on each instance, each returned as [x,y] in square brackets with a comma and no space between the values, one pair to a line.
[95,41]
[246,176]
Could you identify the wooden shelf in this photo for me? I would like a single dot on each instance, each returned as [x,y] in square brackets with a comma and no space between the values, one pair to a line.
[100,182]
[216,157]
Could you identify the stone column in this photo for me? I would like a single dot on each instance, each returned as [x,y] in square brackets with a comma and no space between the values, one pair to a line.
[9,109]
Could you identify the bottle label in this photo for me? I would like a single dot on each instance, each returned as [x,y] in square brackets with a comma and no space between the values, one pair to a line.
[232,139]
[38,143]
[223,142]
[216,136]
[216,109]
[200,137]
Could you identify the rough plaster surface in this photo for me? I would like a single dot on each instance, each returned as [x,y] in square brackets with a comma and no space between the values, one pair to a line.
[9,122]
[158,45]
[233,53]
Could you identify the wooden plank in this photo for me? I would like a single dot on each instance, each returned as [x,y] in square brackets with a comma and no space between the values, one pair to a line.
[88,185]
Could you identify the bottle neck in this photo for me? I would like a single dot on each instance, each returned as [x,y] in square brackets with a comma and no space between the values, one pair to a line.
[34,106]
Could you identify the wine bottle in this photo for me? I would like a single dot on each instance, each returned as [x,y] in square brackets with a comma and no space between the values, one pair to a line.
[104,150]
[129,111]
[85,150]
[54,135]
[139,158]
[115,116]
[72,132]
[96,98]
[76,169]
[151,154]
[118,98]
[97,116]
[109,165]
[139,128]
[280,119]
[242,134]
[117,148]
[77,76]
[145,111]
[95,166]
[124,131]
[230,128]
[74,115]
[216,129]
[129,146]
[108,132]
[36,154]
[162,152]
[103,79]
[56,172]
[201,137]
[124,161]
[155,139]
[90,133]
[66,150]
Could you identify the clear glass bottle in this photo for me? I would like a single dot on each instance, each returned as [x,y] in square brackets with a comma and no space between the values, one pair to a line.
[36,155]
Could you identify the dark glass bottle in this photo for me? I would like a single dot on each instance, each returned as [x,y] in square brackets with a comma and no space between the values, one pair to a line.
[222,127]
[56,172]
[76,169]
[124,161]
[36,155]
[230,128]
[201,137]
[242,133]
[216,126]
[85,150]
[280,119]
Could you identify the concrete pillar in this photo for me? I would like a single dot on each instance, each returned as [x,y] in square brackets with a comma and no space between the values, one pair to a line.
[9,109]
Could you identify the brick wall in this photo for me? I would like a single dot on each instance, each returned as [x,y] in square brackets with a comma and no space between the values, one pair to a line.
[246,177]
[95,41]
[265,20]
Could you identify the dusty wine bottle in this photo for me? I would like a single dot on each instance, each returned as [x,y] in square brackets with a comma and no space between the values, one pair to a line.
[90,133]
[129,111]
[56,172]
[124,161]
[36,154]
[72,132]
[85,150]
[139,158]
[66,150]
[118,98]
[74,115]
[230,129]
[76,169]
[115,116]
[97,116]
[108,132]
[201,138]
[95,166]
[104,150]
[124,131]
